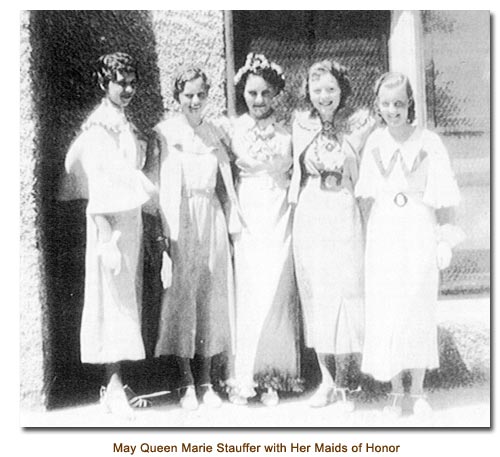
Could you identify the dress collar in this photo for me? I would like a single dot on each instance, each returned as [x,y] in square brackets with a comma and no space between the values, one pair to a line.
[409,149]
[249,123]
[108,116]
[308,121]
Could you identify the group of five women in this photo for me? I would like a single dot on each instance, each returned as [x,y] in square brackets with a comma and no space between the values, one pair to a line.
[257,220]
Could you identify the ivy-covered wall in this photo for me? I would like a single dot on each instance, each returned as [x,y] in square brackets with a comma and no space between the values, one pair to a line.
[58,51]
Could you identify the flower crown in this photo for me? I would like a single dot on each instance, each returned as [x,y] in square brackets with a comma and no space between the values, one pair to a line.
[256,63]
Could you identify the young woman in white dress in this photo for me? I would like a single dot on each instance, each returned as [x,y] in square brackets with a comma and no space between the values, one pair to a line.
[327,231]
[266,309]
[197,312]
[106,159]
[406,174]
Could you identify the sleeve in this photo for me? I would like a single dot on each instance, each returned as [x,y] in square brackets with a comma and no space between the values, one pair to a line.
[113,184]
[441,190]
[74,182]
[361,124]
[170,180]
[351,161]
[369,180]
[227,195]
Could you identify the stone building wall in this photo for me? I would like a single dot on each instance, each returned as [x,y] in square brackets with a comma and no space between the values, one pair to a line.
[187,38]
[457,64]
[57,93]
[32,305]
[58,50]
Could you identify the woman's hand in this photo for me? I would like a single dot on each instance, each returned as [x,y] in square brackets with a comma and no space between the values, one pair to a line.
[110,253]
[443,255]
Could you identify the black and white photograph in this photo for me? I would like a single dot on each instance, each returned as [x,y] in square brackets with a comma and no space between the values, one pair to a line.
[254,219]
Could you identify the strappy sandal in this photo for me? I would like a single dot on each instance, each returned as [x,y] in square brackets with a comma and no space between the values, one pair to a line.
[142,401]
[270,398]
[395,408]
[237,399]
[118,407]
[240,395]
[343,403]
[210,398]
[324,395]
[188,401]
[103,400]
[421,406]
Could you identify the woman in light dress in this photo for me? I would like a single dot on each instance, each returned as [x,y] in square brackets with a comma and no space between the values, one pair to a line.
[266,309]
[105,163]
[327,231]
[406,174]
[197,312]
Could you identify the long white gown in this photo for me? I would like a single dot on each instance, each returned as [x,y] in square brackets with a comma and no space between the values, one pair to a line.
[197,310]
[327,239]
[408,182]
[106,160]
[266,307]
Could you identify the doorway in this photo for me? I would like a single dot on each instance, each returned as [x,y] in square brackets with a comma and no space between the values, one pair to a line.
[296,39]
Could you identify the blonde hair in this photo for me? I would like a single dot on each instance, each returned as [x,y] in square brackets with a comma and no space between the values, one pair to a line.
[391,80]
[185,74]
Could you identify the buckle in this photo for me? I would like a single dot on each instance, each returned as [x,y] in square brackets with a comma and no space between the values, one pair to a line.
[400,199]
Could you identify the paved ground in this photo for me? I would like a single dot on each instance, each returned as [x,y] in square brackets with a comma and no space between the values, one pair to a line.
[455,407]
[460,407]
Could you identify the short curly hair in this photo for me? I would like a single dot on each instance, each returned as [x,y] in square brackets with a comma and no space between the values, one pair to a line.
[259,65]
[339,72]
[108,65]
[391,80]
[186,74]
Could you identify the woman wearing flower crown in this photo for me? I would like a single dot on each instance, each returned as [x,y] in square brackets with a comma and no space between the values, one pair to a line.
[266,325]
[327,232]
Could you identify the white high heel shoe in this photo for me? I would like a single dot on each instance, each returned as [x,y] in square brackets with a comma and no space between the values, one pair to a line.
[324,395]
[188,401]
[395,408]
[210,398]
[270,398]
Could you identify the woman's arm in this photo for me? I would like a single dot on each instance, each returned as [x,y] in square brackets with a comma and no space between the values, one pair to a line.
[362,123]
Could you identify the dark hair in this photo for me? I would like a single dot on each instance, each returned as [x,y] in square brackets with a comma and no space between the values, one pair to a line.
[395,79]
[338,71]
[186,74]
[259,65]
[109,64]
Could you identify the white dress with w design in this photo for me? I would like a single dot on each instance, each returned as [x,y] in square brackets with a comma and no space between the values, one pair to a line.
[408,182]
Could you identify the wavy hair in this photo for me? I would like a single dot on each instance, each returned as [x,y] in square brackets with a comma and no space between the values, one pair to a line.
[339,72]
[392,80]
[186,74]
[108,65]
